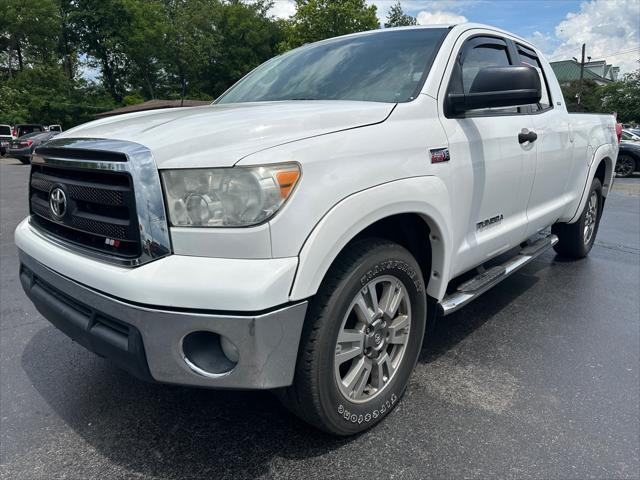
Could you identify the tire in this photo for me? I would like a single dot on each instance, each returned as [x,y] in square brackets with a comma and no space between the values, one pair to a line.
[575,240]
[319,394]
[625,166]
[24,160]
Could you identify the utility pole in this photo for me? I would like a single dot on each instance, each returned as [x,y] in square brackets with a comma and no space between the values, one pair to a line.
[582,64]
[581,75]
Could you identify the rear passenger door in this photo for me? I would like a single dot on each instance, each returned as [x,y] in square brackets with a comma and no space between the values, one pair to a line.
[492,172]
[554,151]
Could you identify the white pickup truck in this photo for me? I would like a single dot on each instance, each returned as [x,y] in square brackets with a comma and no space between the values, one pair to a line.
[301,232]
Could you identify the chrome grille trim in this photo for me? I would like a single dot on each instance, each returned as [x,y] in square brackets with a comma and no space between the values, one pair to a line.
[140,165]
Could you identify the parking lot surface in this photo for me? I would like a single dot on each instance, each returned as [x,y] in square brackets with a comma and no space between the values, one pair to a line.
[539,378]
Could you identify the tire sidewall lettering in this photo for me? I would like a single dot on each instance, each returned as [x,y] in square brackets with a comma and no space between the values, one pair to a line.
[383,408]
[386,265]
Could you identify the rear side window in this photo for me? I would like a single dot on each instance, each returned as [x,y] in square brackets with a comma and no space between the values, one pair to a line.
[530,59]
[5,130]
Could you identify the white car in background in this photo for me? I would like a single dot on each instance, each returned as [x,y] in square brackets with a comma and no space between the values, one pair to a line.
[630,136]
[5,138]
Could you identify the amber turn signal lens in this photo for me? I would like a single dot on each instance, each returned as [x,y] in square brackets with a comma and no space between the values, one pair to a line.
[286,181]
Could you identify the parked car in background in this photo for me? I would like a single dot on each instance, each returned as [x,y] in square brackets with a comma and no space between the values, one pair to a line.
[5,138]
[630,136]
[55,128]
[22,147]
[628,159]
[22,129]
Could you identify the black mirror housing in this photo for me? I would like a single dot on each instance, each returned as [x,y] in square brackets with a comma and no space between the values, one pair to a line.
[498,87]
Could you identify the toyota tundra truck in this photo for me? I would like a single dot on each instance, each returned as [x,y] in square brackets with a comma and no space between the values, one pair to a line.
[301,233]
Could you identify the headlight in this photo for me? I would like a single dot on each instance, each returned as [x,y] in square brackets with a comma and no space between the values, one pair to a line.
[227,197]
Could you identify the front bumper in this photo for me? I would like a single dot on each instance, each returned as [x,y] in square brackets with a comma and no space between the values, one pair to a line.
[175,281]
[148,341]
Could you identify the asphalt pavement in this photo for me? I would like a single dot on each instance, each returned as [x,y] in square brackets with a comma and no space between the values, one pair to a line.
[539,378]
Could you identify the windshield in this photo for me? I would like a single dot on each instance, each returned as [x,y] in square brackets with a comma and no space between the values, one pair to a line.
[376,67]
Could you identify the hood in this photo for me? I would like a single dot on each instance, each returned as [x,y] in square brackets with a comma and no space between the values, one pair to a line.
[221,135]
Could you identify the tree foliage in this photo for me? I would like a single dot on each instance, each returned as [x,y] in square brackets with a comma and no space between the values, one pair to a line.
[397,18]
[624,98]
[319,19]
[590,100]
[63,61]
[621,98]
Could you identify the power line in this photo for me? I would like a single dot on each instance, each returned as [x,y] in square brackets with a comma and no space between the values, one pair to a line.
[621,52]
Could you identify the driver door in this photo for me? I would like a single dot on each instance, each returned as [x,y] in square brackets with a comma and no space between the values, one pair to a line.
[493,172]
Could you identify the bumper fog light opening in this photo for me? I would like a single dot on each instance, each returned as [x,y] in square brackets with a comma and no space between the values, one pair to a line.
[204,354]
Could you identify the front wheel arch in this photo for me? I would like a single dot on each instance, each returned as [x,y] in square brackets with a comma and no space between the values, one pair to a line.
[364,212]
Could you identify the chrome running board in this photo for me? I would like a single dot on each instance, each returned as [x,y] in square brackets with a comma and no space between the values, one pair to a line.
[486,279]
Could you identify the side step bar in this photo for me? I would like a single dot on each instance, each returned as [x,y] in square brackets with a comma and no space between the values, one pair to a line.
[472,289]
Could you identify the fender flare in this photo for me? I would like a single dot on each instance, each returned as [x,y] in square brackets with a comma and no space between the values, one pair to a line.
[604,152]
[426,196]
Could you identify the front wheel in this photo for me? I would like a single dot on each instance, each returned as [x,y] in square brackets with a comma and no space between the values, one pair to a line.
[361,339]
[575,240]
[625,166]
[24,160]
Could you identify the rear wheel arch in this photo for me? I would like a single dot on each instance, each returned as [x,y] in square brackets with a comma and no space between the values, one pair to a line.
[604,173]
[601,168]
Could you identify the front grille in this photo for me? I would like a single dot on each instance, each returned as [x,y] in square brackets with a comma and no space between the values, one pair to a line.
[101,209]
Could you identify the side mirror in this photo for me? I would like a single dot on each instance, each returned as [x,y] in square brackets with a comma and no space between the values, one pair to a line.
[498,87]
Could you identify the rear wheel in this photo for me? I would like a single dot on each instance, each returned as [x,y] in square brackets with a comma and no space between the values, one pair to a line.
[625,166]
[361,339]
[577,239]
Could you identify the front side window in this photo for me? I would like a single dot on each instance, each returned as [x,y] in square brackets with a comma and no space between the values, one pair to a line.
[375,67]
[482,56]
[478,53]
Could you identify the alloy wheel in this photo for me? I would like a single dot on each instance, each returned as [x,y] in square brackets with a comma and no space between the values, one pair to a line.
[372,339]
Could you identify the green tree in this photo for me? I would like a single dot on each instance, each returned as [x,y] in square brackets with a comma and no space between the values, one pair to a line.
[319,19]
[590,99]
[45,94]
[397,18]
[141,50]
[191,40]
[249,37]
[101,29]
[143,47]
[623,98]
[30,29]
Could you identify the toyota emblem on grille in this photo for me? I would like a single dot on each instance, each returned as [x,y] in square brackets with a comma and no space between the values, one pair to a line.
[58,202]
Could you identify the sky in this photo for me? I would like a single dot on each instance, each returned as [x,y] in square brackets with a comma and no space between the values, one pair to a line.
[610,28]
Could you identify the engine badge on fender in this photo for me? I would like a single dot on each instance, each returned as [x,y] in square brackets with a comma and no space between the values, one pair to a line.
[439,155]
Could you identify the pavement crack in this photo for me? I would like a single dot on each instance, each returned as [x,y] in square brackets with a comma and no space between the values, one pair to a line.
[618,247]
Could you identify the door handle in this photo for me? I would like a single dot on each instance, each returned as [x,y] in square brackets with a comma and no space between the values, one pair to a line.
[527,136]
